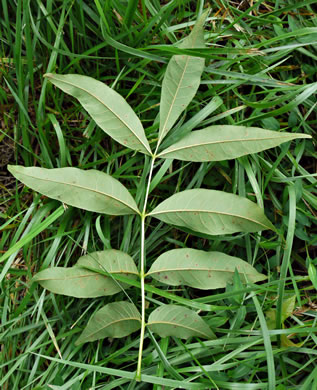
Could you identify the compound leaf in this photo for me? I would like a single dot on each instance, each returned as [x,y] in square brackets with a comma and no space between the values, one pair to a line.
[212,212]
[89,190]
[106,107]
[217,143]
[178,321]
[200,269]
[181,79]
[117,319]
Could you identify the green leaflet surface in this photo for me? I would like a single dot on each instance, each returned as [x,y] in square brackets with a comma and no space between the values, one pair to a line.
[178,321]
[200,269]
[106,107]
[89,190]
[212,212]
[81,281]
[110,260]
[117,319]
[217,143]
[181,80]
[76,282]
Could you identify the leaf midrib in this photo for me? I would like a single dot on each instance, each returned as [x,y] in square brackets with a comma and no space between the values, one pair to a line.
[86,276]
[174,98]
[114,113]
[177,90]
[195,269]
[112,323]
[177,324]
[85,188]
[206,211]
[167,151]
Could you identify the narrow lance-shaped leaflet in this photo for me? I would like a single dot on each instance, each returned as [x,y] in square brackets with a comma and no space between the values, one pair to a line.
[212,212]
[181,79]
[217,143]
[178,321]
[81,281]
[115,320]
[88,190]
[107,108]
[200,269]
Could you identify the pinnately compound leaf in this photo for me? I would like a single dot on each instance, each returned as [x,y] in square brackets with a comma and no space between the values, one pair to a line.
[217,143]
[115,320]
[106,107]
[200,269]
[181,80]
[178,321]
[212,212]
[89,190]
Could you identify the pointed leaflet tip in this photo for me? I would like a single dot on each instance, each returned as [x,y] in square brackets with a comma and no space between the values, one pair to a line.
[196,37]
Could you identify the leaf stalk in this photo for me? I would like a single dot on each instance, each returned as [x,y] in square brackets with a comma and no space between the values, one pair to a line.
[142,270]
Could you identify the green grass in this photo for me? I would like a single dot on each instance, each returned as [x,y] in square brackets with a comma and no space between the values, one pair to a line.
[261,65]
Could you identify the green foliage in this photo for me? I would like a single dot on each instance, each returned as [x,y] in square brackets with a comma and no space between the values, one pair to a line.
[79,282]
[200,269]
[117,319]
[212,212]
[177,321]
[205,211]
[217,143]
[259,69]
[181,80]
[89,190]
[107,108]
